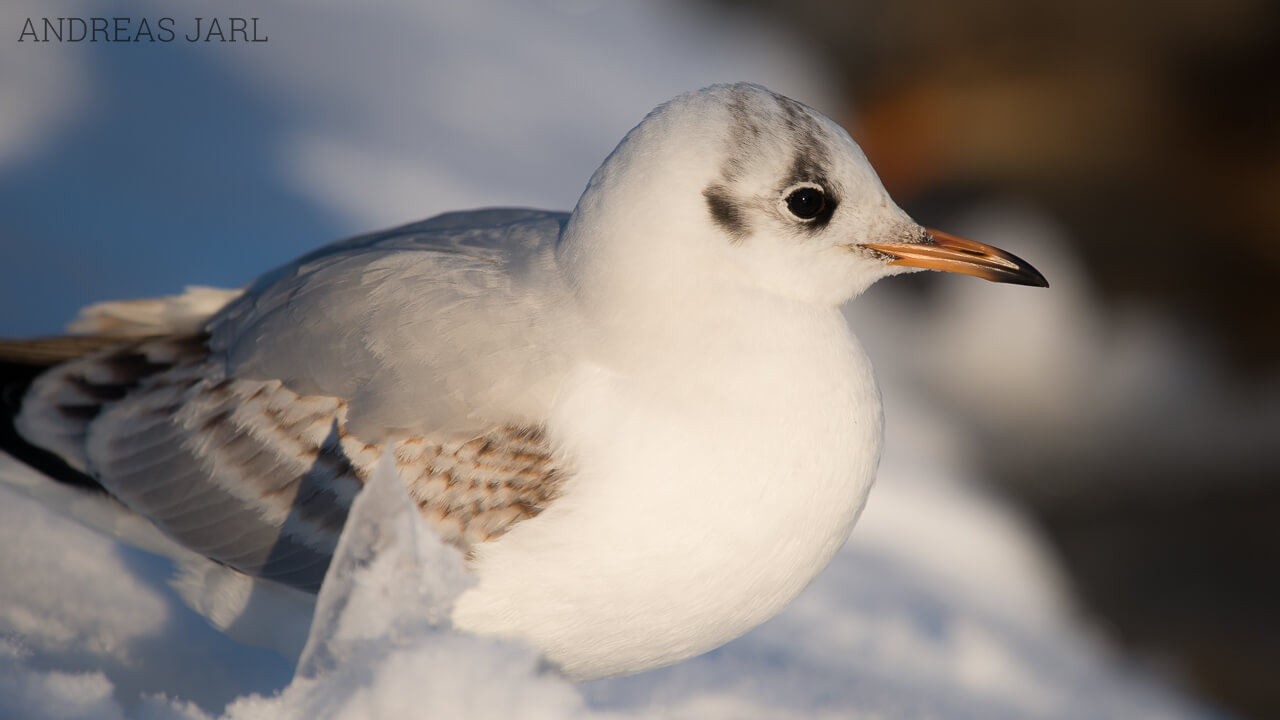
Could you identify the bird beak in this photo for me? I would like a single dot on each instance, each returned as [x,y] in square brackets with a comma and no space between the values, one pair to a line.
[946,252]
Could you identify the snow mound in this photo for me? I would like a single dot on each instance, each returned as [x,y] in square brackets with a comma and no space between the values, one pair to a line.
[381,645]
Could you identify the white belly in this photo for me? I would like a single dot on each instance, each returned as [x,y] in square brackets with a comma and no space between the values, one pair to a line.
[693,515]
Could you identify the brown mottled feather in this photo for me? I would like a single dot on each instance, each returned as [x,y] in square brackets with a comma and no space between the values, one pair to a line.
[256,476]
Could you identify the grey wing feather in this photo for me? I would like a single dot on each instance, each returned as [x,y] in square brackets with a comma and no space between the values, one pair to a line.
[239,443]
[445,324]
[245,472]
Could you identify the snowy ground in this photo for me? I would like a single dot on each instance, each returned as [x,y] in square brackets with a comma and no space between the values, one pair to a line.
[132,171]
[941,606]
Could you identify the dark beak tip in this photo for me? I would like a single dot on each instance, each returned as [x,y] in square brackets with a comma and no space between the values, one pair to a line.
[1030,276]
[1024,273]
[1034,279]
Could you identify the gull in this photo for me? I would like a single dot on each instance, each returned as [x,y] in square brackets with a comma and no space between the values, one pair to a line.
[645,422]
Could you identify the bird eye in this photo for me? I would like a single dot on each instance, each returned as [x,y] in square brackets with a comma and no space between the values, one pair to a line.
[807,202]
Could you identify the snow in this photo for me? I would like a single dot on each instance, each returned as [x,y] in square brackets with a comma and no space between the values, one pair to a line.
[381,645]
[388,559]
[943,605]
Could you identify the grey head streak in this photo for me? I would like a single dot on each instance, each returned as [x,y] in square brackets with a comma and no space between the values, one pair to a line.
[730,211]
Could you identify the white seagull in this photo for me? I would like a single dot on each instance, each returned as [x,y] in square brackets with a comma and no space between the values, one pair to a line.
[645,422]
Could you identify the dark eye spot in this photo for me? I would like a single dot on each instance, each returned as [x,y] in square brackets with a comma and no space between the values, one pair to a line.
[807,203]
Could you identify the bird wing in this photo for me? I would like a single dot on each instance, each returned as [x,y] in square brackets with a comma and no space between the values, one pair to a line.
[439,325]
[248,440]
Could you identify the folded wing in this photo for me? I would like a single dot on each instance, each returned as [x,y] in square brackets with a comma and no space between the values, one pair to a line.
[248,440]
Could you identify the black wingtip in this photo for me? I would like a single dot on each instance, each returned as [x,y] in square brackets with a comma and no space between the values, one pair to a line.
[15,380]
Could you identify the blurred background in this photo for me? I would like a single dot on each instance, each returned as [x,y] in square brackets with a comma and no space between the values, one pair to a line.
[1128,149]
[1144,138]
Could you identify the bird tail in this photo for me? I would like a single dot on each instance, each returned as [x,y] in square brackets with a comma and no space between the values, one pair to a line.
[21,362]
[98,327]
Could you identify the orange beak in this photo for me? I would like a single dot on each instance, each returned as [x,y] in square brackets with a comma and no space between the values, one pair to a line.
[946,252]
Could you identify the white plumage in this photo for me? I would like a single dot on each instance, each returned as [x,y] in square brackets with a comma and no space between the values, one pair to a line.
[646,421]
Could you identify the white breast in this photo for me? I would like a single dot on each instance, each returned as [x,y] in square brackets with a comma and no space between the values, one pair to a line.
[709,489]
